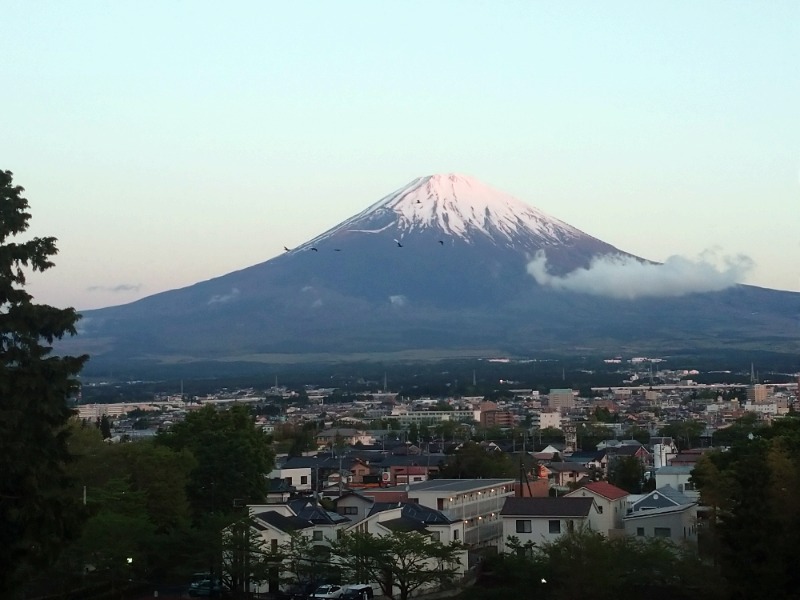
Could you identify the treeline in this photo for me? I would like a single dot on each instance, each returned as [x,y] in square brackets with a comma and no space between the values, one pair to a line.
[153,510]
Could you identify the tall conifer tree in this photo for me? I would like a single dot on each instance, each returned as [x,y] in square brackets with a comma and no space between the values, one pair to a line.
[35,514]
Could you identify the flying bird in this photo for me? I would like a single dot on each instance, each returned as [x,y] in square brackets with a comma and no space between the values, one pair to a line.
[441,242]
[399,245]
[285,248]
[337,249]
[314,249]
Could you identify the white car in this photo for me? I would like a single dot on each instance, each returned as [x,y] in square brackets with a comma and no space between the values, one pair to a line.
[328,591]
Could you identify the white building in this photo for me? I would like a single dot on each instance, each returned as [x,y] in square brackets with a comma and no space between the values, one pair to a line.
[407,417]
[678,478]
[299,478]
[537,520]
[546,419]
[475,502]
[611,504]
[678,523]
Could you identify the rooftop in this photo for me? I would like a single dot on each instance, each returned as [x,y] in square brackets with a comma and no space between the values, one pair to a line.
[449,486]
[547,507]
[604,489]
[643,514]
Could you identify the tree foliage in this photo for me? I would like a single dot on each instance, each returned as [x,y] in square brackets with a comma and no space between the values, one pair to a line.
[233,457]
[586,564]
[473,461]
[626,472]
[753,491]
[35,516]
[301,562]
[402,562]
[685,433]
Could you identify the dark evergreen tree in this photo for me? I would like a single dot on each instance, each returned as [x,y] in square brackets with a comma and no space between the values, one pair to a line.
[105,427]
[233,457]
[36,517]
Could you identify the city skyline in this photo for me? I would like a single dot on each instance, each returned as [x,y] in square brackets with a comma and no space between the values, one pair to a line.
[166,145]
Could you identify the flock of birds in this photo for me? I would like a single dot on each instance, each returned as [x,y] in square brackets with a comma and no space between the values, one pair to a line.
[396,241]
[315,249]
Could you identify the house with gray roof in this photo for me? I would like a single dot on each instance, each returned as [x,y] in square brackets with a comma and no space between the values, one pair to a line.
[677,522]
[662,497]
[538,520]
[679,478]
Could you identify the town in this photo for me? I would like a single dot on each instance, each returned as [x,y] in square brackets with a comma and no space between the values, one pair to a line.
[483,475]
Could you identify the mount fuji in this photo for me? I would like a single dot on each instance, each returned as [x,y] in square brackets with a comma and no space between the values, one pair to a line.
[440,267]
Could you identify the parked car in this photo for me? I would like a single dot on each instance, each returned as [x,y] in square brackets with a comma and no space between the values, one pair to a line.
[328,592]
[358,592]
[296,591]
[206,588]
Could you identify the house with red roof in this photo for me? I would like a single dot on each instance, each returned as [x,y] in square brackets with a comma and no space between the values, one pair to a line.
[611,505]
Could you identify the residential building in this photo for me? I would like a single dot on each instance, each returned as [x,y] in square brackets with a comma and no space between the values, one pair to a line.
[677,523]
[596,460]
[562,474]
[476,502]
[492,416]
[677,477]
[561,399]
[298,478]
[665,496]
[757,392]
[276,523]
[407,417]
[540,520]
[611,505]
[546,419]
[328,438]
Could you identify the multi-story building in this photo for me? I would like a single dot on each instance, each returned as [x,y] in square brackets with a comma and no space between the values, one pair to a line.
[475,502]
[757,392]
[546,419]
[492,416]
[561,399]
[407,417]
[347,437]
[763,409]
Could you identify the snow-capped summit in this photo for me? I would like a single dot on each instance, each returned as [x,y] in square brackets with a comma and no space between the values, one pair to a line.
[462,207]
[439,267]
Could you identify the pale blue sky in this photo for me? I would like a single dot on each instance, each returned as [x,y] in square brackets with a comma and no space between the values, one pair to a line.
[165,143]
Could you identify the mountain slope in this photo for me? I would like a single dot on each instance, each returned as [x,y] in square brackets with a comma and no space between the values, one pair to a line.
[440,264]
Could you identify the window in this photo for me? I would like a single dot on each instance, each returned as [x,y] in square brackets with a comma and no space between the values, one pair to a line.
[524,526]
[288,480]
[455,534]
[274,545]
[640,531]
[555,526]
[570,525]
[350,510]
[317,536]
[599,509]
[435,536]
[662,532]
[303,479]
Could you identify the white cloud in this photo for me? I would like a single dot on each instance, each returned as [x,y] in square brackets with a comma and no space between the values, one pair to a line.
[617,276]
[317,303]
[398,300]
[122,287]
[223,298]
